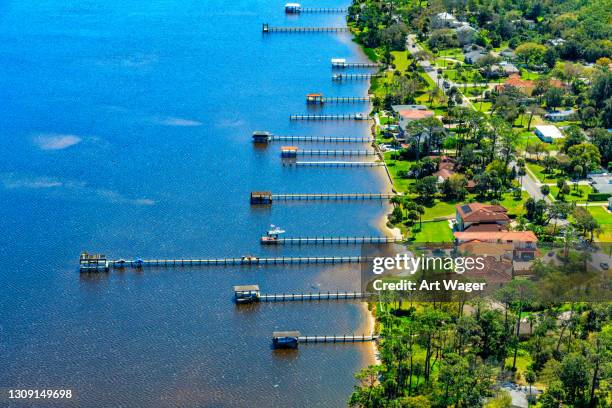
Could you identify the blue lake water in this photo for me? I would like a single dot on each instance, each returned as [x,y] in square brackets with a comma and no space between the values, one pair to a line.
[125,128]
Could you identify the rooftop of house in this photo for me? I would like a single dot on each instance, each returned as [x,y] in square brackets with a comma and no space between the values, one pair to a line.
[549,131]
[478,212]
[561,113]
[500,236]
[399,108]
[445,16]
[602,183]
[477,227]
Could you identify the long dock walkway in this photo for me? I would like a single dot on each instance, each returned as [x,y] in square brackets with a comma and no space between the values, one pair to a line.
[270,29]
[336,153]
[266,197]
[267,240]
[251,293]
[339,99]
[346,77]
[245,260]
[337,339]
[330,139]
[338,196]
[285,297]
[339,64]
[322,10]
[334,164]
[291,339]
[352,116]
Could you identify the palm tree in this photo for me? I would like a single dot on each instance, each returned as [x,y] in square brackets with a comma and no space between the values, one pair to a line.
[533,109]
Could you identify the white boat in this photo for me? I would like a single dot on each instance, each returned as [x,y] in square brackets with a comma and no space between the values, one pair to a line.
[275,231]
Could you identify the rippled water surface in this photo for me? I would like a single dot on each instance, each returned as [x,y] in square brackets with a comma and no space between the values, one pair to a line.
[125,128]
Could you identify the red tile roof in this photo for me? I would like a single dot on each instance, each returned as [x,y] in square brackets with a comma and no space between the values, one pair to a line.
[501,236]
[478,212]
[415,114]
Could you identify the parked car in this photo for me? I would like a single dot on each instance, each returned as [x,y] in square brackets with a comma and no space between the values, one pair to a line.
[604,266]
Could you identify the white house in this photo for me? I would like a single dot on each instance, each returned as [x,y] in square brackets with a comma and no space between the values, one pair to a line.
[465,33]
[444,20]
[548,133]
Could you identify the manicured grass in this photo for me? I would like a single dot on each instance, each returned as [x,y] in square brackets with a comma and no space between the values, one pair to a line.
[400,184]
[581,194]
[437,231]
[430,82]
[538,170]
[525,74]
[604,218]
[514,206]
[439,209]
[455,53]
[528,137]
[400,60]
[484,107]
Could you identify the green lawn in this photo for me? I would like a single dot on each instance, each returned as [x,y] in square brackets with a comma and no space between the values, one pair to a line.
[514,206]
[538,170]
[439,209]
[483,107]
[526,74]
[400,60]
[581,194]
[437,231]
[454,53]
[604,218]
[400,184]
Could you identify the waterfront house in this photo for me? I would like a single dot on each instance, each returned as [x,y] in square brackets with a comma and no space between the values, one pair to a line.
[478,217]
[398,108]
[524,242]
[548,133]
[410,115]
[560,116]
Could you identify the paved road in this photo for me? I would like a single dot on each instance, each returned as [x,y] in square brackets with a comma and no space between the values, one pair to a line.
[432,72]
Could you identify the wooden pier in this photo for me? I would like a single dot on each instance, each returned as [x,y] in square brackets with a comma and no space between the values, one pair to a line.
[319,99]
[353,116]
[341,64]
[292,151]
[291,339]
[335,164]
[266,28]
[347,77]
[251,293]
[273,240]
[266,197]
[296,9]
[330,139]
[245,260]
[264,137]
